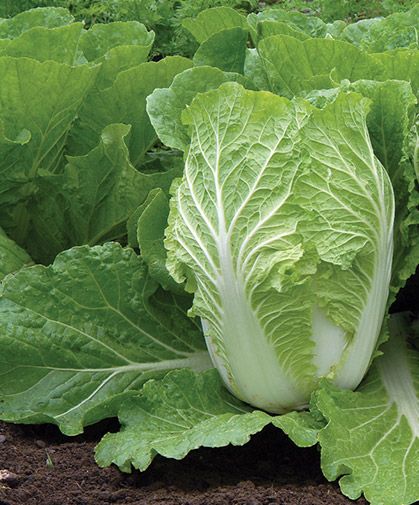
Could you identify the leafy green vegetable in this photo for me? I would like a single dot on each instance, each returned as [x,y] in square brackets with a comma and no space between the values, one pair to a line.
[265,254]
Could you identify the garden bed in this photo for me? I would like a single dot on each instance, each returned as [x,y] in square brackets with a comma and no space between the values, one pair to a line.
[51,469]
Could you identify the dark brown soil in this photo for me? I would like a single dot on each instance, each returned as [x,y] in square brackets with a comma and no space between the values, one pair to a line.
[50,469]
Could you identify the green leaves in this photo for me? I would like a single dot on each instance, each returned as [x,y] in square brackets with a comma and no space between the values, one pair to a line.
[83,333]
[165,106]
[171,417]
[372,435]
[69,174]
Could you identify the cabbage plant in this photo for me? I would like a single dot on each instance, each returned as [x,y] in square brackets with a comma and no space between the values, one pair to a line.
[258,238]
[282,226]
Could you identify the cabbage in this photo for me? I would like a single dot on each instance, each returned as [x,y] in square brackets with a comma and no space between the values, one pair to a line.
[282,228]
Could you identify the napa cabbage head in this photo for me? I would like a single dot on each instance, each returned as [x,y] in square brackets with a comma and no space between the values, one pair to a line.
[282,228]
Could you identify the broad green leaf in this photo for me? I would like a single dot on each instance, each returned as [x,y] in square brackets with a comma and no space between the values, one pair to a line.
[401,64]
[296,21]
[60,44]
[12,257]
[372,435]
[211,21]
[268,28]
[133,220]
[48,17]
[83,333]
[105,188]
[282,214]
[125,102]
[294,66]
[38,104]
[171,417]
[165,106]
[117,60]
[225,50]
[101,38]
[116,46]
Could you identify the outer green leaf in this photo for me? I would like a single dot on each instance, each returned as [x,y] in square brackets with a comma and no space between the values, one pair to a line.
[58,44]
[384,34]
[125,102]
[401,64]
[171,417]
[255,71]
[12,257]
[282,214]
[211,21]
[151,225]
[389,122]
[106,189]
[101,38]
[38,103]
[296,21]
[48,17]
[302,427]
[79,334]
[91,201]
[294,66]
[165,106]
[372,435]
[225,50]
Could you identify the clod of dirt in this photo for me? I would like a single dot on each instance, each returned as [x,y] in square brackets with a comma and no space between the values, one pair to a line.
[8,478]
[2,439]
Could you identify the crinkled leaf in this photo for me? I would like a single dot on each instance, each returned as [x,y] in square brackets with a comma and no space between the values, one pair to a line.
[151,225]
[401,64]
[91,201]
[165,106]
[101,38]
[302,427]
[255,71]
[171,417]
[116,46]
[372,435]
[390,122]
[310,25]
[384,34]
[79,334]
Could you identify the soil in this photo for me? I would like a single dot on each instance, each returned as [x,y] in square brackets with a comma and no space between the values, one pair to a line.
[39,466]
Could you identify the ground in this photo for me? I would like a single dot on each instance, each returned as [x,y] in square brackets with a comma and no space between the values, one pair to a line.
[47,468]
